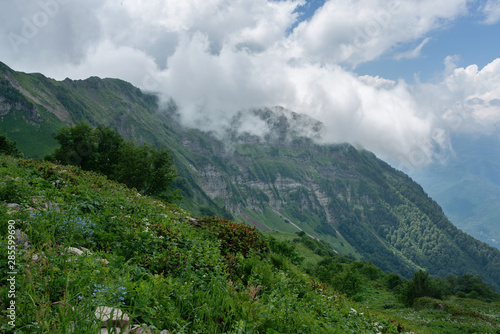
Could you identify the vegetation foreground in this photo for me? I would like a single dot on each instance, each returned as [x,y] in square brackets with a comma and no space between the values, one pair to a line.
[172,272]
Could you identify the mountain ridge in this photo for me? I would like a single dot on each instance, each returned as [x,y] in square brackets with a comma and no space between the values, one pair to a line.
[345,196]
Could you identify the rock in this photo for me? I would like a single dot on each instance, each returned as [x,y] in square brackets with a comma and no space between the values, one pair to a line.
[111,317]
[37,199]
[164,332]
[191,219]
[37,256]
[12,208]
[31,210]
[113,331]
[9,178]
[86,251]
[52,205]
[75,251]
[104,261]
[21,237]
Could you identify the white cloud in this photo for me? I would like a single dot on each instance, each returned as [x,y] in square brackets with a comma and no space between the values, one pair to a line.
[466,99]
[217,58]
[491,11]
[415,53]
[356,31]
[40,34]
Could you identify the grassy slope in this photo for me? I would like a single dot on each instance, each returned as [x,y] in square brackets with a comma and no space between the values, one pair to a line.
[164,272]
[430,316]
[161,270]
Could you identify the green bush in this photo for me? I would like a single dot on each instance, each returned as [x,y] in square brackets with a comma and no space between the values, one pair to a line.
[8,147]
[392,281]
[145,168]
[13,192]
[235,237]
[421,286]
[285,249]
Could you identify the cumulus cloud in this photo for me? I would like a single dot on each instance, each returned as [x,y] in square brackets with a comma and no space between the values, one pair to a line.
[353,32]
[41,34]
[218,59]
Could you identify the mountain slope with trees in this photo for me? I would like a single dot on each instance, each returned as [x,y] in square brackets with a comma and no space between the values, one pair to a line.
[280,181]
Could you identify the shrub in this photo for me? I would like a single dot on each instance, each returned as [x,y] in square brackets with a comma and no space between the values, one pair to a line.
[421,286]
[284,248]
[235,237]
[393,280]
[8,147]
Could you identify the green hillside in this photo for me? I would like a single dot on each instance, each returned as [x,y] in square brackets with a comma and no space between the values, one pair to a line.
[84,242]
[345,196]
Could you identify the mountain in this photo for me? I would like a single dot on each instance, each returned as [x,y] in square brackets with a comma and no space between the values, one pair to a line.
[469,189]
[279,180]
[86,244]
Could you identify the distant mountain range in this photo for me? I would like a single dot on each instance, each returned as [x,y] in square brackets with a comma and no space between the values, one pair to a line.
[467,186]
[278,181]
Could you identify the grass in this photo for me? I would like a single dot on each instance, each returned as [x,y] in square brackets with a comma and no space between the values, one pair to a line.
[145,258]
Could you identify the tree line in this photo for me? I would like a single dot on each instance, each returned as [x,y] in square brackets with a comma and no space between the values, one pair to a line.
[146,168]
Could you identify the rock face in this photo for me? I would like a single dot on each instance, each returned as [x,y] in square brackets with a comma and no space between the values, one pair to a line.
[12,102]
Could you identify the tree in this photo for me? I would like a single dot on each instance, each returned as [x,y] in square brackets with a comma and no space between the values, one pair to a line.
[146,168]
[349,281]
[421,286]
[8,147]
[78,147]
[393,280]
[108,149]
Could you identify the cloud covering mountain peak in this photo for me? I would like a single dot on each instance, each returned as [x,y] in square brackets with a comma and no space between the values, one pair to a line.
[219,58]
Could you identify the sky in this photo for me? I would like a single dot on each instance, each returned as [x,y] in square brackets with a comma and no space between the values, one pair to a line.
[399,78]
